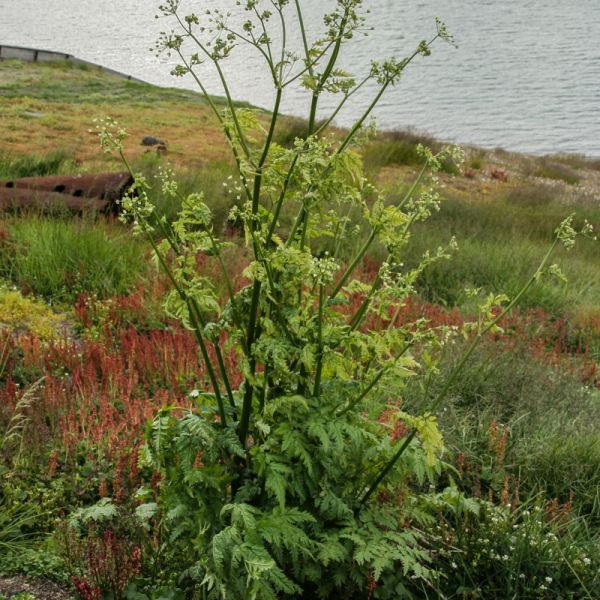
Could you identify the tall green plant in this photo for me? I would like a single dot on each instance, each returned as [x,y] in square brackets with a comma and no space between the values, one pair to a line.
[298,481]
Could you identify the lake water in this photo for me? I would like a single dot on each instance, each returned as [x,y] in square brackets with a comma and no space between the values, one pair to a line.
[526,75]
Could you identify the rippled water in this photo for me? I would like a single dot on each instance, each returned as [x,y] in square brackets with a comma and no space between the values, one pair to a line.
[526,75]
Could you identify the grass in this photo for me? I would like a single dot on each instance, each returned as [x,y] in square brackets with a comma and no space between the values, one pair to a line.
[52,106]
[59,258]
[64,81]
[55,162]
[558,171]
[206,179]
[575,161]
[394,148]
[501,240]
[553,446]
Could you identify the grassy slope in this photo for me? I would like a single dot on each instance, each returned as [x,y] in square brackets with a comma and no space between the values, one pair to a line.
[502,226]
[52,106]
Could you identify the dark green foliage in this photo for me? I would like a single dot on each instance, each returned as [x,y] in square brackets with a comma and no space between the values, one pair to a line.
[293,525]
[39,562]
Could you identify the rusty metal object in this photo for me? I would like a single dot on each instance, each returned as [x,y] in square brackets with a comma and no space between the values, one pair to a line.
[106,186]
[17,199]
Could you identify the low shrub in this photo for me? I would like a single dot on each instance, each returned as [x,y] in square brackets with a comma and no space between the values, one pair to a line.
[401,148]
[19,314]
[557,171]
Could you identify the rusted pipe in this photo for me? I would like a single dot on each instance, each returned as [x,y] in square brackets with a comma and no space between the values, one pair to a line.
[17,199]
[105,186]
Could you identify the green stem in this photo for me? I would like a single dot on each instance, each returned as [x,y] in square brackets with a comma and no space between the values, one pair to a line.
[350,269]
[249,392]
[270,60]
[360,122]
[193,317]
[283,43]
[351,405]
[302,213]
[309,64]
[230,103]
[313,113]
[357,318]
[196,330]
[222,123]
[341,105]
[305,213]
[319,371]
[280,200]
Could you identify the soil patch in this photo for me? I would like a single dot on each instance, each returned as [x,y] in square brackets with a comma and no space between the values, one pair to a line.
[40,589]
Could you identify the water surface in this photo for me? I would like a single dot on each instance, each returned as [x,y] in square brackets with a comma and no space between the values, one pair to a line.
[526,75]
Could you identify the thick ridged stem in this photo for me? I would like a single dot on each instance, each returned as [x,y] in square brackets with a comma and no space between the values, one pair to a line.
[254,308]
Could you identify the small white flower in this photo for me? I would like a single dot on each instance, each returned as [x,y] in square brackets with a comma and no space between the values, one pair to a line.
[548,579]
[586,561]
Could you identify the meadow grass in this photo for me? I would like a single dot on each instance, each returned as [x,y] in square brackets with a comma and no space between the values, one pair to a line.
[500,243]
[59,258]
[551,416]
[54,105]
[56,162]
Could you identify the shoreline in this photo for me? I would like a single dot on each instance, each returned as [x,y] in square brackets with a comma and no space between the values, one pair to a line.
[24,53]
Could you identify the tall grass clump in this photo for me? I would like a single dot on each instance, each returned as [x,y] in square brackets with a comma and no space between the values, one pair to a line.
[297,473]
[402,148]
[501,239]
[556,170]
[59,258]
[30,165]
